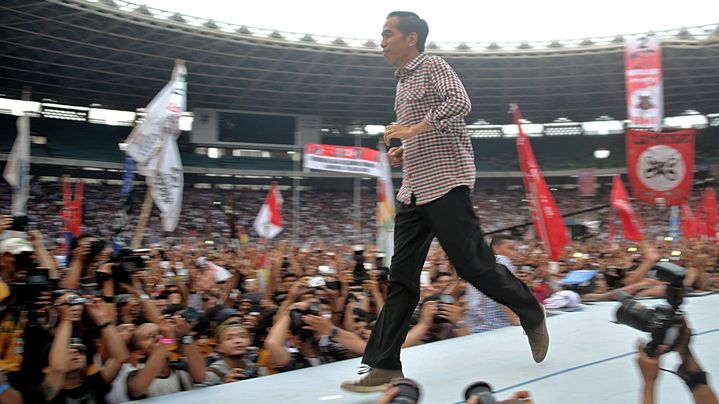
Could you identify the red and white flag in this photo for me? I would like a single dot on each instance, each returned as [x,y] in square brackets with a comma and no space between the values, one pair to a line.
[268,223]
[709,203]
[689,224]
[631,225]
[661,165]
[548,223]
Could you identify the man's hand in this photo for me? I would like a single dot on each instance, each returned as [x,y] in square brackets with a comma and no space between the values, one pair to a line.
[97,311]
[649,366]
[235,375]
[5,222]
[318,324]
[397,131]
[451,312]
[426,315]
[395,156]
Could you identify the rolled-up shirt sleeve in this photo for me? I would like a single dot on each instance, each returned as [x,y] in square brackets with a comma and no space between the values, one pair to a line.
[456,104]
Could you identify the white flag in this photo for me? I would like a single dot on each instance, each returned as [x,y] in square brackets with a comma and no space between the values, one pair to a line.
[162,119]
[17,167]
[168,181]
[268,223]
[385,208]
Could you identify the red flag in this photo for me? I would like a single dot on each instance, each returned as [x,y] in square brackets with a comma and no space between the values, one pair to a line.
[72,207]
[548,223]
[689,223]
[661,165]
[709,203]
[619,200]
[612,230]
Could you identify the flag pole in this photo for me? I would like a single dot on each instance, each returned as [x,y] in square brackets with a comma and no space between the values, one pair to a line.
[144,217]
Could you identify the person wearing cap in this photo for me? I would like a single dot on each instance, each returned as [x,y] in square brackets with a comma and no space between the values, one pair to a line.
[66,379]
[233,339]
[16,254]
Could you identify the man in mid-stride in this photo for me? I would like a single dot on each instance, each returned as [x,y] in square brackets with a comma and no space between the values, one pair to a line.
[438,175]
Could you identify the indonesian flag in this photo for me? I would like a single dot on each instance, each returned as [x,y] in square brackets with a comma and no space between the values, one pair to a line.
[689,224]
[709,203]
[631,225]
[268,223]
[548,222]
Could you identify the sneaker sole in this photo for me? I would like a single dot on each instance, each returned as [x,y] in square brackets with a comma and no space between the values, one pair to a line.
[362,389]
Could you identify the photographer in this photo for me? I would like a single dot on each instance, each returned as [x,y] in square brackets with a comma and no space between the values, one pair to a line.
[690,370]
[150,349]
[440,318]
[307,346]
[233,339]
[86,250]
[66,379]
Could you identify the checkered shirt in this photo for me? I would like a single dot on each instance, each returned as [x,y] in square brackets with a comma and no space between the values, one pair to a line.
[442,158]
[482,313]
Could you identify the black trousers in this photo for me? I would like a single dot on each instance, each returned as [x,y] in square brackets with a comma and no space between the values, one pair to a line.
[453,221]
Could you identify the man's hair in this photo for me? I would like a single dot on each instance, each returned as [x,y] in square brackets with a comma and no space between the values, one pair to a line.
[500,239]
[410,22]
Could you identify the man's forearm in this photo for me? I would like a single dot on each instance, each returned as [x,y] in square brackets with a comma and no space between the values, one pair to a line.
[648,393]
[195,362]
[73,276]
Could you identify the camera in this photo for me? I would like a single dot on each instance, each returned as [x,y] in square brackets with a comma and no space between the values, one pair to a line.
[382,271]
[316,282]
[125,263]
[443,299]
[482,391]
[296,322]
[19,223]
[662,322]
[409,391]
[96,247]
[29,284]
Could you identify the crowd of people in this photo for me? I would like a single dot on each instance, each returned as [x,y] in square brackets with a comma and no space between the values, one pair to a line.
[90,323]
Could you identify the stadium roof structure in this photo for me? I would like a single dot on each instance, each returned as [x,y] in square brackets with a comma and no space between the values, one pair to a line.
[119,54]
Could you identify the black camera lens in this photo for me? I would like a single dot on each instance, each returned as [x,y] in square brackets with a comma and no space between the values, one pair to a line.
[408,391]
[482,391]
[636,315]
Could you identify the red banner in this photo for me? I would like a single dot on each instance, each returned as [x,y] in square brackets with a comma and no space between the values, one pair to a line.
[72,208]
[548,222]
[661,165]
[709,204]
[689,224]
[631,225]
[345,159]
[644,82]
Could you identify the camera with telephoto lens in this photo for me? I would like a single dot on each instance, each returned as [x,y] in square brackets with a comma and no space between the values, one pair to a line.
[297,323]
[125,263]
[19,223]
[481,391]
[662,322]
[359,273]
[409,391]
[382,271]
[96,247]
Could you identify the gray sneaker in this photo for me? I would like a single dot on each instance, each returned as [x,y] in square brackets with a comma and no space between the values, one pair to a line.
[372,380]
[539,339]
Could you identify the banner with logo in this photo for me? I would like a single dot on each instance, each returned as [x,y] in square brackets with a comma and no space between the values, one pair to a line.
[661,165]
[344,159]
[643,79]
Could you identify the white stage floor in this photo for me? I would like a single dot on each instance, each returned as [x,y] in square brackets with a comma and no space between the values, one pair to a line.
[591,360]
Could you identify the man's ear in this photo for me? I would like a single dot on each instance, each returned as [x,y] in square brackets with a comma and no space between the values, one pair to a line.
[412,39]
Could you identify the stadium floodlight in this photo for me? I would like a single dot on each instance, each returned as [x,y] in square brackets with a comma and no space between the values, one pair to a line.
[713,119]
[529,129]
[374,129]
[122,146]
[213,152]
[111,117]
[604,126]
[601,154]
[689,119]
[19,107]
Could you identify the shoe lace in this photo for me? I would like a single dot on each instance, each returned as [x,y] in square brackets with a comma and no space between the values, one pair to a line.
[362,369]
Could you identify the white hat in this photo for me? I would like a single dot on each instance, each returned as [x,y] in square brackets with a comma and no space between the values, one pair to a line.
[15,246]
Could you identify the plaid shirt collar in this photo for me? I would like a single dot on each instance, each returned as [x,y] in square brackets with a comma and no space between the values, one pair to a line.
[405,70]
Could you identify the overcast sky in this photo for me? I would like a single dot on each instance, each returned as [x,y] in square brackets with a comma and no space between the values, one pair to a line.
[457,21]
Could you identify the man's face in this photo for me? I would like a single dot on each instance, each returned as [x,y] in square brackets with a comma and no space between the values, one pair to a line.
[234,342]
[505,248]
[146,336]
[78,360]
[443,282]
[395,46]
